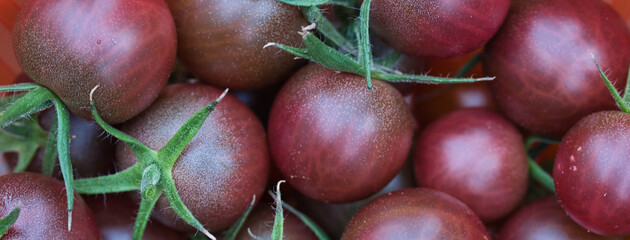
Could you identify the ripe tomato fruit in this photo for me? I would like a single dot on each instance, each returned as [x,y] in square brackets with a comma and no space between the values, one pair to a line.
[545,77]
[43,212]
[591,173]
[220,170]
[127,47]
[481,162]
[415,213]
[221,41]
[437,28]
[543,219]
[334,139]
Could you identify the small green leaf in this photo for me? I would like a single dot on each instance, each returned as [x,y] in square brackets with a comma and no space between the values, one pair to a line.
[187,132]
[32,102]
[314,15]
[50,155]
[20,87]
[365,50]
[146,206]
[9,220]
[304,3]
[123,181]
[178,206]
[278,223]
[236,228]
[63,149]
[625,107]
[540,175]
[25,156]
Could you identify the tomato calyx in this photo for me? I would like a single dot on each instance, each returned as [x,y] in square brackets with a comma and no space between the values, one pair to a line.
[622,102]
[35,100]
[359,60]
[152,173]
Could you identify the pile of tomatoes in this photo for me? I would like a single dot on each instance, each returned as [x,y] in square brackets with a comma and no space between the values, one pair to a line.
[183,114]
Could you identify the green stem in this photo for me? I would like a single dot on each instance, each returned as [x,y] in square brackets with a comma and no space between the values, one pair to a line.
[319,232]
[314,15]
[626,94]
[25,156]
[9,220]
[48,163]
[146,206]
[32,102]
[278,223]
[540,175]
[624,106]
[20,87]
[63,149]
[365,50]
[126,180]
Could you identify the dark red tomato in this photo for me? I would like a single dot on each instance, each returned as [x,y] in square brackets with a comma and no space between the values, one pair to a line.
[543,219]
[115,216]
[334,139]
[225,164]
[591,173]
[221,41]
[43,212]
[415,213]
[478,157]
[260,221]
[622,7]
[437,28]
[127,47]
[9,67]
[546,80]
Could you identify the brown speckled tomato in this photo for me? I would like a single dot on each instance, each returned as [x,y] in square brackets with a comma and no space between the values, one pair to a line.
[477,156]
[43,212]
[592,173]
[415,213]
[334,139]
[437,28]
[224,165]
[127,47]
[221,41]
[545,77]
[544,219]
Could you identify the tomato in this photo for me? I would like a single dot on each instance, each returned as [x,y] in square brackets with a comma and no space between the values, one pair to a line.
[543,219]
[437,28]
[334,139]
[127,47]
[545,77]
[622,7]
[590,173]
[482,162]
[260,223]
[43,210]
[224,165]
[221,41]
[115,216]
[415,213]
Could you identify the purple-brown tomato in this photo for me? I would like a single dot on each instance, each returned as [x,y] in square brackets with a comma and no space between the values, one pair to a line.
[221,41]
[545,77]
[128,47]
[592,173]
[437,28]
[477,156]
[334,139]
[415,213]
[220,170]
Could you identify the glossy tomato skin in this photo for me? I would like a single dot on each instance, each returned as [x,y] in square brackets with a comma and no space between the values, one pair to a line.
[261,219]
[545,77]
[544,219]
[590,173]
[221,41]
[115,216]
[127,47]
[477,156]
[415,213]
[220,170]
[334,139]
[437,28]
[43,212]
